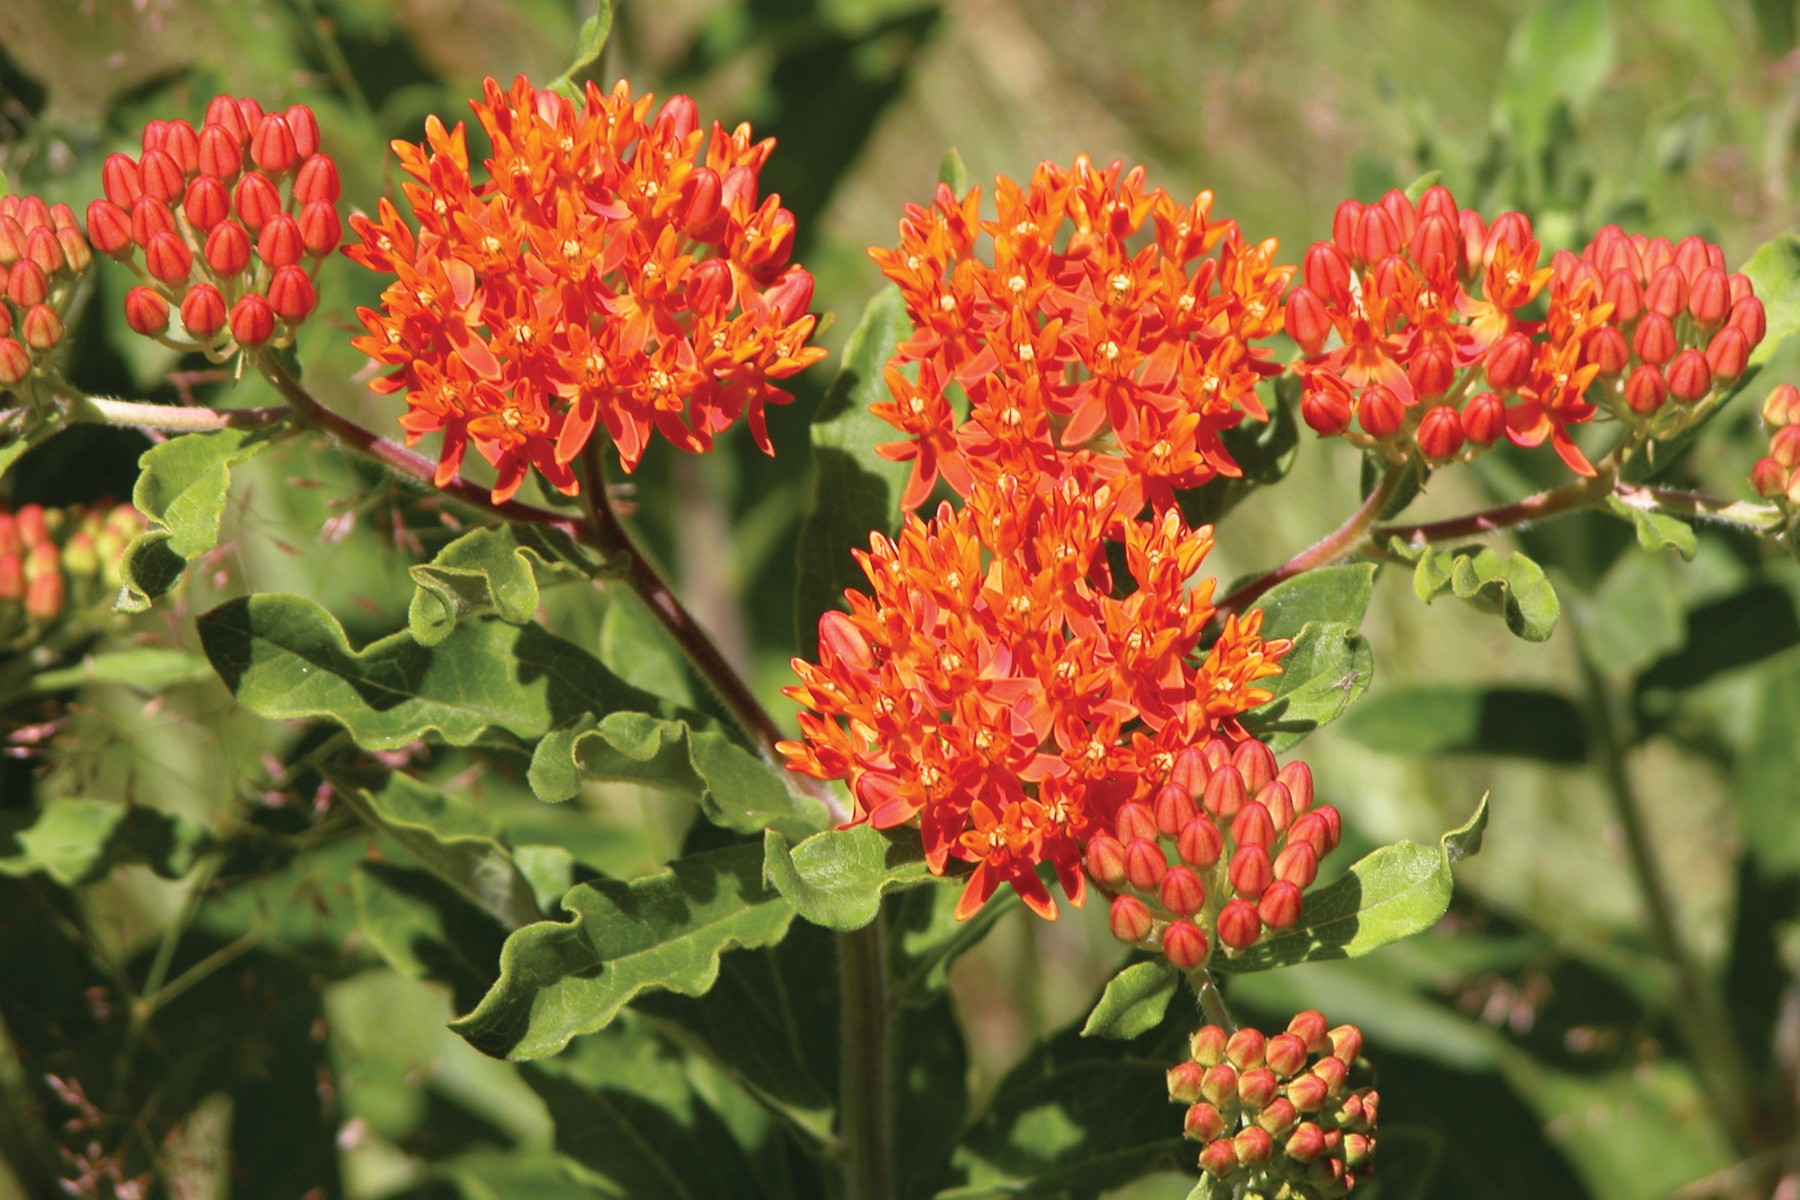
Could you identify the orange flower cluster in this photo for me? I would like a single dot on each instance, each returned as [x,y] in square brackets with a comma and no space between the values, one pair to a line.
[1132,363]
[1005,686]
[43,256]
[1424,302]
[608,272]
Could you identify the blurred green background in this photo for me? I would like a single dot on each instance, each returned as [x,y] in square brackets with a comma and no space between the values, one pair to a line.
[1526,1048]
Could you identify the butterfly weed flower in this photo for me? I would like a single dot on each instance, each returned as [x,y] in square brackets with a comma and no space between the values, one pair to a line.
[613,270]
[43,256]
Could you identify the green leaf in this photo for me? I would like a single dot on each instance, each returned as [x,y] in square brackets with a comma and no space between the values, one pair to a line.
[1417,187]
[456,842]
[1428,719]
[837,878]
[1655,530]
[1264,450]
[286,657]
[1393,893]
[636,648]
[425,929]
[1330,664]
[952,171]
[735,789]
[488,570]
[1329,595]
[558,981]
[1559,57]
[1508,584]
[933,1094]
[1774,272]
[1770,776]
[182,487]
[589,44]
[855,490]
[79,841]
[146,668]
[11,452]
[1134,1000]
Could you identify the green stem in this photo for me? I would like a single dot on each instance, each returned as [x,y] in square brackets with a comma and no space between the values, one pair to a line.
[865,1119]
[1212,1000]
[176,418]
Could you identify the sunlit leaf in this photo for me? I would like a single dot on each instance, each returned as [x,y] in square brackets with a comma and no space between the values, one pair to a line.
[79,841]
[837,878]
[1134,1000]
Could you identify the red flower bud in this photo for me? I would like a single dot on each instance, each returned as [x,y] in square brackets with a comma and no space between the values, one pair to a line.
[1191,772]
[119,179]
[41,328]
[1654,340]
[1656,254]
[1244,1050]
[1379,411]
[1431,372]
[1512,230]
[789,298]
[1784,447]
[1130,919]
[109,228]
[1709,297]
[1608,349]
[76,253]
[1308,1092]
[1334,827]
[1185,945]
[1793,491]
[1307,321]
[1435,243]
[224,111]
[1182,892]
[203,310]
[1279,803]
[1437,200]
[1281,905]
[149,217]
[1306,1143]
[1253,826]
[1747,314]
[272,145]
[1200,844]
[320,229]
[1509,361]
[1184,1082]
[1332,1070]
[1400,210]
[1691,257]
[227,249]
[1385,278]
[1343,228]
[152,137]
[1440,433]
[1689,376]
[305,130]
[146,312]
[1145,864]
[1298,864]
[1376,235]
[257,200]
[207,203]
[1239,925]
[1326,411]
[1219,1159]
[1253,1146]
[43,583]
[1225,792]
[182,144]
[1206,1046]
[1782,406]
[1173,809]
[1278,1117]
[291,293]
[1202,1123]
[167,258]
[709,288]
[1728,353]
[160,176]
[15,362]
[6,317]
[279,243]
[1256,1085]
[317,182]
[1484,419]
[1310,1027]
[1740,286]
[1286,1055]
[1135,821]
[1105,859]
[1328,273]
[42,248]
[252,321]
[1646,390]
[1668,292]
[27,284]
[699,210]
[1473,232]
[221,154]
[1626,296]
[1346,1042]
[1219,1085]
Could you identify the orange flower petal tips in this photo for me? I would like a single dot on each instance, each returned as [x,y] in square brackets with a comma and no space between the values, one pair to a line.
[617,271]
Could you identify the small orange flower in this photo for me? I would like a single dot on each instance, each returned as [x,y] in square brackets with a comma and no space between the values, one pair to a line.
[607,273]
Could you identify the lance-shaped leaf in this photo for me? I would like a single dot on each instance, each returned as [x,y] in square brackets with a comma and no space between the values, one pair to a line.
[182,487]
[1330,664]
[855,490]
[837,878]
[79,841]
[1134,1000]
[489,570]
[1393,893]
[735,789]
[1655,530]
[1508,584]
[456,842]
[558,981]
[1430,719]
[925,938]
[285,657]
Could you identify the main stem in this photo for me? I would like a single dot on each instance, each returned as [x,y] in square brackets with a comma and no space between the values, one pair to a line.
[865,1121]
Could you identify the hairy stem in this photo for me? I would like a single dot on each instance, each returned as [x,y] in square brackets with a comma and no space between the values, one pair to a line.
[176,418]
[1212,1000]
[1556,501]
[865,1120]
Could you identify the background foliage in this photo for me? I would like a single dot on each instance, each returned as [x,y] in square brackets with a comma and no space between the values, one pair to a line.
[1530,1046]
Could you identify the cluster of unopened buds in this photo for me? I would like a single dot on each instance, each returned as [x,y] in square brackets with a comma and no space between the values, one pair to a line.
[53,560]
[1409,320]
[1777,476]
[226,225]
[1276,1116]
[1246,836]
[43,256]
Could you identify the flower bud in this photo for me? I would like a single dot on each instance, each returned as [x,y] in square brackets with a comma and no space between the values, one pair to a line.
[1332,1070]
[1435,243]
[1286,1055]
[1646,390]
[1145,864]
[1781,406]
[1656,254]
[1747,314]
[1250,871]
[305,130]
[223,111]
[1130,919]
[1625,295]
[256,200]
[1307,322]
[709,288]
[1769,478]
[1279,803]
[1328,273]
[109,228]
[1279,1117]
[1203,1123]
[1239,925]
[1106,860]
[1473,232]
[167,258]
[1689,376]
[227,249]
[1691,257]
[77,255]
[1784,447]
[1376,235]
[206,204]
[1253,1145]
[182,144]
[1512,230]
[1281,905]
[32,213]
[1654,340]
[1185,945]
[1357,1148]
[1184,1082]
[1349,1115]
[42,248]
[1440,433]
[1245,1049]
[43,583]
[27,284]
[699,210]
[252,321]
[1298,864]
[1326,411]
[149,217]
[1219,1085]
[1225,792]
[1135,821]
[1728,353]
[317,182]
[6,317]
[203,310]
[1206,1045]
[160,177]
[1306,1143]
[253,113]
[677,119]
[152,138]
[790,296]
[15,362]
[1509,361]
[146,312]
[1219,1159]
[1667,292]
[1182,892]
[320,228]
[1308,1092]
[1200,844]
[1253,826]
[1379,411]
[221,154]
[1173,809]
[279,243]
[1256,1085]
[1608,349]
[79,557]
[1484,419]
[1709,299]
[1431,372]
[41,328]
[1334,827]
[119,179]
[1343,227]
[272,145]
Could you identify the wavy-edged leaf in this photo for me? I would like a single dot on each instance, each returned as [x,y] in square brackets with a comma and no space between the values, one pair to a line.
[1774,271]
[498,570]
[147,668]
[558,981]
[837,878]
[1426,719]
[1134,1000]
[1330,664]
[1657,530]
[182,487]
[1392,893]
[735,789]
[426,929]
[1511,585]
[855,490]
[286,657]
[78,841]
